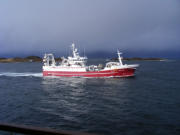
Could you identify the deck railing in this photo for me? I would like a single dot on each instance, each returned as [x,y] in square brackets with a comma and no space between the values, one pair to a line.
[29,130]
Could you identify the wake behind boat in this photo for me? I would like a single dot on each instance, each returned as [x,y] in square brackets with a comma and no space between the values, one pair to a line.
[75,66]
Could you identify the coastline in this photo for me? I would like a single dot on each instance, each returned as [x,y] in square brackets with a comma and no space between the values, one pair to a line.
[144,59]
[18,59]
[39,59]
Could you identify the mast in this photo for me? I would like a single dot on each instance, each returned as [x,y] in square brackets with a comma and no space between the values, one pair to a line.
[74,51]
[119,57]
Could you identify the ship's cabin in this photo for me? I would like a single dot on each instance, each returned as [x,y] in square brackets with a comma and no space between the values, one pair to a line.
[112,64]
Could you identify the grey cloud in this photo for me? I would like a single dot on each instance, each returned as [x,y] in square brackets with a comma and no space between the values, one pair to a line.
[38,26]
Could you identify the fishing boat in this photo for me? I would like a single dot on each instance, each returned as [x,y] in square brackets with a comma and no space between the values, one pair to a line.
[75,66]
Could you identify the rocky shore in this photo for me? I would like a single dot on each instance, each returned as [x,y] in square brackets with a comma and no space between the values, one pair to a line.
[26,59]
[39,59]
[140,59]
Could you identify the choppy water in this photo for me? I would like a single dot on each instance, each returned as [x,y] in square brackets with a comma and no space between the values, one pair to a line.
[147,104]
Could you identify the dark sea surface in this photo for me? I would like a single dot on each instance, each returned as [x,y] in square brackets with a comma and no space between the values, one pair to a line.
[147,104]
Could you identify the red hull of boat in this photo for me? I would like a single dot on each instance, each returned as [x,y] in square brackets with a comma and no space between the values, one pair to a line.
[108,73]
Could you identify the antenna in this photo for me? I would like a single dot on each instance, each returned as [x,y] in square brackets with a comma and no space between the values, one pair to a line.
[84,52]
[69,51]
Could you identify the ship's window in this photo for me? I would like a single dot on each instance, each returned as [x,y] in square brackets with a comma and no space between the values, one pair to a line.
[108,65]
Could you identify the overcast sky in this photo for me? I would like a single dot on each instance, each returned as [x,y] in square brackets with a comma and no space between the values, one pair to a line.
[38,26]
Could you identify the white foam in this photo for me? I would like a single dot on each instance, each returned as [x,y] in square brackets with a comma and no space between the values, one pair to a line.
[14,74]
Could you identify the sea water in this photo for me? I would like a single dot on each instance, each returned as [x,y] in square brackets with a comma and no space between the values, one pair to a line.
[148,103]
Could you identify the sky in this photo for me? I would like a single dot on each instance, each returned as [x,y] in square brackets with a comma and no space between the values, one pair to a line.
[138,28]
